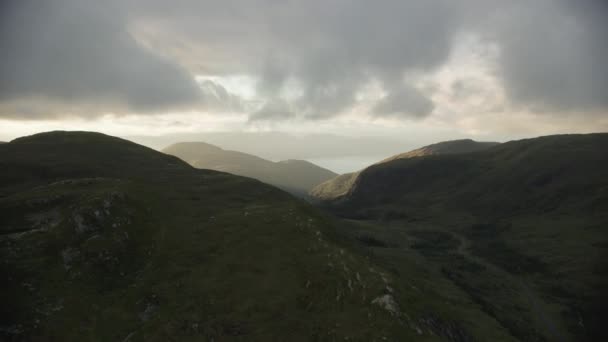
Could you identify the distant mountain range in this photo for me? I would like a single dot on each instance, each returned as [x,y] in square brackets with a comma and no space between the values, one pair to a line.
[342,185]
[295,176]
[282,145]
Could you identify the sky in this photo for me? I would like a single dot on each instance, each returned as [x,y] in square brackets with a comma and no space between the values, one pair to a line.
[409,72]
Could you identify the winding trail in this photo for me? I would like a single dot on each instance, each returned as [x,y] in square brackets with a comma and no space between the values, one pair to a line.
[552,329]
[536,303]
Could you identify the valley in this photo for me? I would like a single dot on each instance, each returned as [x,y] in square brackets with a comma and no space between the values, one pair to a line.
[303,171]
[297,177]
[99,232]
[514,300]
[511,226]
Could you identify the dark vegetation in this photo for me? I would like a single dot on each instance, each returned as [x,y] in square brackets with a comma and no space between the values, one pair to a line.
[342,185]
[103,239]
[520,227]
[534,176]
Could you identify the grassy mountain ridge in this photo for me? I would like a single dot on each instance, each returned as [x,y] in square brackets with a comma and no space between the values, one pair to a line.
[292,175]
[444,147]
[519,226]
[341,185]
[555,171]
[103,239]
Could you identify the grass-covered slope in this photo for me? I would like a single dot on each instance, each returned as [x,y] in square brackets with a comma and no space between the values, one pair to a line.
[341,185]
[296,176]
[445,147]
[521,227]
[335,187]
[105,240]
[538,175]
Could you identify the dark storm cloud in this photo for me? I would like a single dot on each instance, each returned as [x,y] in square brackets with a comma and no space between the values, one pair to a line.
[273,110]
[141,56]
[551,51]
[80,52]
[405,102]
[553,55]
[353,43]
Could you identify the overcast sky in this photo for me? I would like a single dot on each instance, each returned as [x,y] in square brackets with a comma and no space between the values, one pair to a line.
[423,70]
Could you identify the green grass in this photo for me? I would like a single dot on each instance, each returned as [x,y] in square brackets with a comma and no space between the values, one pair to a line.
[105,240]
[534,212]
[102,239]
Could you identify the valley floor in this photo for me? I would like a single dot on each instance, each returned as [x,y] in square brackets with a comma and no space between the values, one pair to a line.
[452,264]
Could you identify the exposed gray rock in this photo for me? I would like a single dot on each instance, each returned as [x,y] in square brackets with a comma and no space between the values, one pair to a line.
[388,303]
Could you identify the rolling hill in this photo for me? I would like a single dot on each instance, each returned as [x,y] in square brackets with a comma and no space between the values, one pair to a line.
[104,239]
[445,147]
[295,176]
[341,185]
[520,226]
[534,175]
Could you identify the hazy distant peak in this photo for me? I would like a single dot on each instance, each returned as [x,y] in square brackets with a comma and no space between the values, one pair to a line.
[193,144]
[293,161]
[297,162]
[296,176]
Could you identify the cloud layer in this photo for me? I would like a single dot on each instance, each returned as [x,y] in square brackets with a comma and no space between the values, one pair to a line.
[78,53]
[310,59]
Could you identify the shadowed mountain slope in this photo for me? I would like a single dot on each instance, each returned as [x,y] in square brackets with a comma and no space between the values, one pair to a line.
[296,176]
[529,217]
[104,239]
[564,172]
[342,185]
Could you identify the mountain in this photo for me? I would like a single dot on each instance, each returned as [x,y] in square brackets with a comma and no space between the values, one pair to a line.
[296,176]
[520,227]
[341,185]
[104,239]
[534,175]
[276,145]
[445,147]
